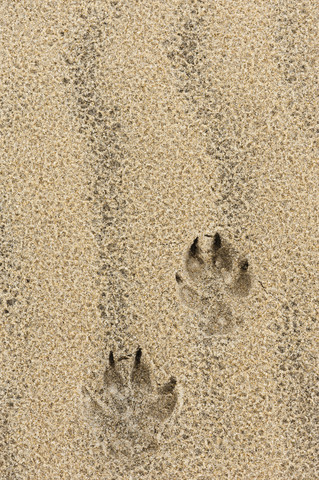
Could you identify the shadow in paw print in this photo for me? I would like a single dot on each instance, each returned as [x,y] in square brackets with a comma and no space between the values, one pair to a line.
[215,277]
[128,415]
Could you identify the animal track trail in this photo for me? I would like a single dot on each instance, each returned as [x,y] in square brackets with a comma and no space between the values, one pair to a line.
[128,414]
[216,278]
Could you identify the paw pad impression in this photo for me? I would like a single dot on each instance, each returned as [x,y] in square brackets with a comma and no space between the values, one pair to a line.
[215,277]
[128,413]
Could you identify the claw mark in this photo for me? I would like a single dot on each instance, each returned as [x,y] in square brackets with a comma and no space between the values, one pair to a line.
[168,387]
[138,357]
[140,372]
[178,278]
[111,360]
[244,265]
[217,242]
[194,248]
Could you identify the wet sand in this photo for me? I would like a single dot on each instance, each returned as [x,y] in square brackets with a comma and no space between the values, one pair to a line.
[129,129]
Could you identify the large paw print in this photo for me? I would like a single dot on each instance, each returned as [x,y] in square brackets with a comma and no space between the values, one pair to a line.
[216,278]
[128,415]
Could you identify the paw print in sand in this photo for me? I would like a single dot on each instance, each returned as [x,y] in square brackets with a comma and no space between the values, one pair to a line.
[215,281]
[128,415]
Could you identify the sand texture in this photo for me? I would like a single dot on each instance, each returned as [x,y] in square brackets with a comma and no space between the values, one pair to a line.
[159,240]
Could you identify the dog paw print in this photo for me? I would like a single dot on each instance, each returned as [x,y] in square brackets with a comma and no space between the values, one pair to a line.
[128,413]
[216,278]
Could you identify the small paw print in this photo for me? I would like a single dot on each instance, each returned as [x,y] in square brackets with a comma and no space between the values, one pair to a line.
[128,415]
[215,277]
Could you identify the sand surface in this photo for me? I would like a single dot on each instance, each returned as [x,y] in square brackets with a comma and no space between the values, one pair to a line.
[140,140]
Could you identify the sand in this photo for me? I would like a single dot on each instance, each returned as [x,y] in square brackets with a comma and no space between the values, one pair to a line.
[130,129]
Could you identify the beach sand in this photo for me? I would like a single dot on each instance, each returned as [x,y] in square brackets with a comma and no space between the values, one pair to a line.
[129,131]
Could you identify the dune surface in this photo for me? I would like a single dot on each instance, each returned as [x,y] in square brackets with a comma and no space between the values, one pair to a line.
[159,240]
